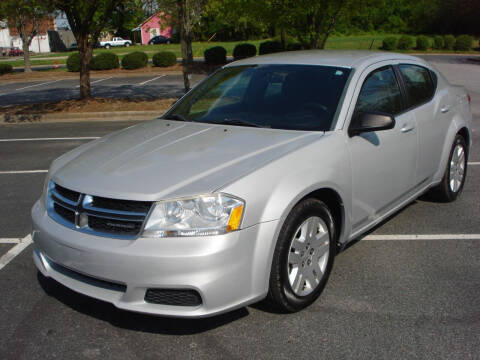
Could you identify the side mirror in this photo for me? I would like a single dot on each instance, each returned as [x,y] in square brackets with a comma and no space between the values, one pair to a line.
[366,122]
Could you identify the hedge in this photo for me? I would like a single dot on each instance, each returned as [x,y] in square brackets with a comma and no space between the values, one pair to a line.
[464,43]
[269,47]
[438,42]
[135,60]
[216,55]
[449,41]
[243,51]
[294,46]
[405,42]
[389,43]
[423,42]
[5,69]
[73,62]
[164,59]
[104,61]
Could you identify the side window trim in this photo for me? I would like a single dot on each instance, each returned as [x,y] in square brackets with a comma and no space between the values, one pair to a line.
[408,103]
[388,66]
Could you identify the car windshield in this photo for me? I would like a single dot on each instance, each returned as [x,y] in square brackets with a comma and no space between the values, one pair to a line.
[299,97]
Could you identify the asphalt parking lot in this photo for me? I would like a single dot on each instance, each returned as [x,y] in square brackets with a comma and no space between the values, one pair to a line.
[150,86]
[410,290]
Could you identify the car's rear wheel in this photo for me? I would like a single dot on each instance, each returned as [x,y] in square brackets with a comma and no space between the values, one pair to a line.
[303,256]
[107,46]
[454,177]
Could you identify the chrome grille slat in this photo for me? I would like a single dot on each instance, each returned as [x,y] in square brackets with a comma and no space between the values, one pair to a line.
[83,216]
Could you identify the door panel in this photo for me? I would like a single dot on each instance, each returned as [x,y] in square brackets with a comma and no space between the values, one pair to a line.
[383,162]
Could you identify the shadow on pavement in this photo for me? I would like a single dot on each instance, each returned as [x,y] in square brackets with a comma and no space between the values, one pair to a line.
[134,321]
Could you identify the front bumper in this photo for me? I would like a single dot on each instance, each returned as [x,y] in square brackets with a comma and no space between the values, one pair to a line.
[228,271]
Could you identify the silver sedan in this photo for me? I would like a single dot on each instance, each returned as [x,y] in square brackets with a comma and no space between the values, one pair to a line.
[249,186]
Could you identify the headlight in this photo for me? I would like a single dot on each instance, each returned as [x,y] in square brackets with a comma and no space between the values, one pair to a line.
[203,215]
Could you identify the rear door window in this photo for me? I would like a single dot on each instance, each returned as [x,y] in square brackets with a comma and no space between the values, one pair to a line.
[418,83]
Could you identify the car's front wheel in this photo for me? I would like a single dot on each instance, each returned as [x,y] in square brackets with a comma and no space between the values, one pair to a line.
[127,44]
[454,177]
[303,256]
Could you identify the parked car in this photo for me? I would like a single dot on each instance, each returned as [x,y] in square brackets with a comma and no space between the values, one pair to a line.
[15,51]
[73,47]
[159,39]
[116,41]
[250,184]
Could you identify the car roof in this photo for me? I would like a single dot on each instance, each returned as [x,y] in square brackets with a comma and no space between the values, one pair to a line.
[340,58]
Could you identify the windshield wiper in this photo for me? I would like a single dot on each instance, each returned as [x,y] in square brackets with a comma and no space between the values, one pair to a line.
[176,117]
[242,123]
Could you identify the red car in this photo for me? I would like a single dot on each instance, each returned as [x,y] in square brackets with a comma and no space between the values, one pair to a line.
[15,52]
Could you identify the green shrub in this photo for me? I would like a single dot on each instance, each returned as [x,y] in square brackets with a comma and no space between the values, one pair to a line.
[104,61]
[269,47]
[438,42]
[243,51]
[216,55]
[5,69]
[73,62]
[464,43]
[423,42]
[405,42]
[449,42]
[294,46]
[389,43]
[164,59]
[135,60]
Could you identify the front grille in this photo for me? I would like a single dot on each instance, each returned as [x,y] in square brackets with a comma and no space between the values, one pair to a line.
[114,226]
[96,215]
[177,297]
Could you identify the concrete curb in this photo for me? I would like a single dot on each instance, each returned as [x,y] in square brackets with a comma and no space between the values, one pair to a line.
[77,117]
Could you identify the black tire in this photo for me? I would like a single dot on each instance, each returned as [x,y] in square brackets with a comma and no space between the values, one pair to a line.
[107,46]
[443,192]
[127,44]
[280,294]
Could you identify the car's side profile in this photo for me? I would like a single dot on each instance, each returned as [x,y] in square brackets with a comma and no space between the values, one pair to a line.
[159,39]
[252,182]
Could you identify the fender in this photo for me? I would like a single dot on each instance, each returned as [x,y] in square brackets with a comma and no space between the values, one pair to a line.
[457,123]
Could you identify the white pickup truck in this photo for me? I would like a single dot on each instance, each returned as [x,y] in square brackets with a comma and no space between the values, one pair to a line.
[116,41]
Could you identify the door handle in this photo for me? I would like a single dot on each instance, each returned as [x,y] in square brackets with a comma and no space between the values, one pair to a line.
[407,128]
[445,109]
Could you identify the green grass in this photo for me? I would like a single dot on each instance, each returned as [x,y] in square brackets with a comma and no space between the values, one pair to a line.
[360,42]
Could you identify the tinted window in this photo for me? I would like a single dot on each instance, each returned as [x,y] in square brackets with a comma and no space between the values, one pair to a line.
[300,97]
[380,93]
[418,83]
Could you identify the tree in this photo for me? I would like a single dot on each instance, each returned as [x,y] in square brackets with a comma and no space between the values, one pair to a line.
[184,14]
[26,16]
[87,19]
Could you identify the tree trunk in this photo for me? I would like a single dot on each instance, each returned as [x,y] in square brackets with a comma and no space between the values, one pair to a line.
[85,56]
[185,42]
[283,37]
[26,54]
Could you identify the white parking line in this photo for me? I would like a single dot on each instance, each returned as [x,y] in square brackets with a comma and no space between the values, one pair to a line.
[474,163]
[14,251]
[52,139]
[10,241]
[145,82]
[96,81]
[23,172]
[423,237]
[45,83]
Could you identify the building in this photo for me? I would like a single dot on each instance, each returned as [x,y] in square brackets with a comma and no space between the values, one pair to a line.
[153,26]
[9,37]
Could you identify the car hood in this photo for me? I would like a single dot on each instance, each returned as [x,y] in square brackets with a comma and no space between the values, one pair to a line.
[164,159]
